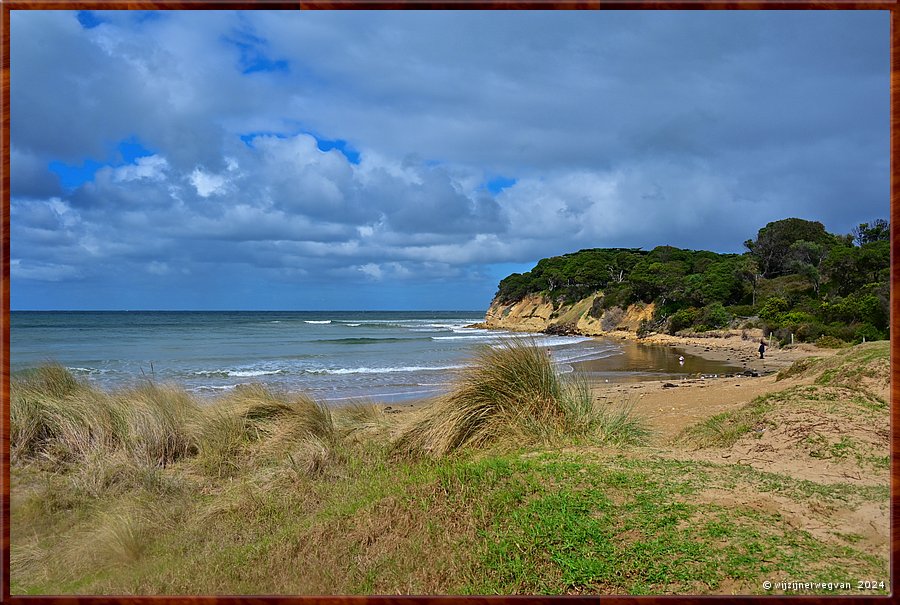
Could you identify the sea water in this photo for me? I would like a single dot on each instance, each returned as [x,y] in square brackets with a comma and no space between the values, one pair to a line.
[333,356]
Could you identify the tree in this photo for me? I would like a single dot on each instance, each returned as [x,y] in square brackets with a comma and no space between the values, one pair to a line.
[839,269]
[878,230]
[747,272]
[805,258]
[773,242]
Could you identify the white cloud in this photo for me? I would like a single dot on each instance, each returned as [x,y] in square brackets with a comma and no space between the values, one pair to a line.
[152,168]
[207,184]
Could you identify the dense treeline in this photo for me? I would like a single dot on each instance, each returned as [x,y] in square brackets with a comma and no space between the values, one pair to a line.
[795,278]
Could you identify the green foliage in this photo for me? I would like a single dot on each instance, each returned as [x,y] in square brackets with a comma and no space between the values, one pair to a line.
[713,316]
[830,342]
[772,247]
[878,230]
[709,317]
[866,307]
[685,318]
[772,308]
[742,310]
[869,332]
[798,278]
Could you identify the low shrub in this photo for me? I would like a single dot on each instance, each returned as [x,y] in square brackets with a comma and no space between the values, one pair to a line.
[830,342]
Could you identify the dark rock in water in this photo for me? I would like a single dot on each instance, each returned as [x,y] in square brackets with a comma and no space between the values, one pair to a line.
[669,385]
[751,373]
[562,330]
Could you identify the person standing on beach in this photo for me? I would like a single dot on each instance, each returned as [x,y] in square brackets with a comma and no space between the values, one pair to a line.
[762,348]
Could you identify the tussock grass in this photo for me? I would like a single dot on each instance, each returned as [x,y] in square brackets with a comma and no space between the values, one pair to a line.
[64,423]
[57,419]
[162,424]
[123,536]
[254,422]
[725,429]
[363,422]
[50,380]
[512,393]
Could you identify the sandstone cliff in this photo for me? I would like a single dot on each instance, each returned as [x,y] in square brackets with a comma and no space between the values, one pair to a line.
[535,313]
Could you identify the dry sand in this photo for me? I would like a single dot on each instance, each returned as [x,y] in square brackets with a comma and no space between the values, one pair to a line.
[672,405]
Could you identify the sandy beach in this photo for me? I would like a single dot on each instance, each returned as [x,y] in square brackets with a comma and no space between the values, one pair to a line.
[671,406]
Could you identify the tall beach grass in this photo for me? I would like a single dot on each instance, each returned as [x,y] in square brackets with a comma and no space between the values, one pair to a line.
[514,395]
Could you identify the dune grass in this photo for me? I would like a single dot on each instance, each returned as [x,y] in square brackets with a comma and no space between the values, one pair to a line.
[725,429]
[514,395]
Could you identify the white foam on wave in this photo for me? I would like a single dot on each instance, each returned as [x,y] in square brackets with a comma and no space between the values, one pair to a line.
[317,321]
[464,330]
[353,325]
[366,370]
[88,371]
[587,355]
[205,387]
[237,373]
[473,338]
[249,373]
[558,341]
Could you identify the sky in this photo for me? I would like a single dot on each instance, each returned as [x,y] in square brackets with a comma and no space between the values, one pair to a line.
[410,160]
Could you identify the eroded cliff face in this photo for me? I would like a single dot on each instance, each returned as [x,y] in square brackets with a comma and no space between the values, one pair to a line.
[535,313]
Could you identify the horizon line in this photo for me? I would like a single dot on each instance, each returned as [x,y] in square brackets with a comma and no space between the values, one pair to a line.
[247,310]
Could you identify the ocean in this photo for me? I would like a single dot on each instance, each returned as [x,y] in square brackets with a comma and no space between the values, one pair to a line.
[333,356]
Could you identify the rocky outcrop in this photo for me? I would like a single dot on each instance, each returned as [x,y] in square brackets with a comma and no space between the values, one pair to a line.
[536,313]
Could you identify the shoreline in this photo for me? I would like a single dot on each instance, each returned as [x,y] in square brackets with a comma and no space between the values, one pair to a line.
[671,406]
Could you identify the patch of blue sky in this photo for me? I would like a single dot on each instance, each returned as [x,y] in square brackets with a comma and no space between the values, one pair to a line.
[254,57]
[341,145]
[89,19]
[322,143]
[498,184]
[145,16]
[74,176]
[123,153]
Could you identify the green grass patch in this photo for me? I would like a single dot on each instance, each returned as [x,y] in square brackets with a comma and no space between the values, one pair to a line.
[725,429]
[493,523]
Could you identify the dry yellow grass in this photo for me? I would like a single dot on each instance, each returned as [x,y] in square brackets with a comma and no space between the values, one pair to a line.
[512,393]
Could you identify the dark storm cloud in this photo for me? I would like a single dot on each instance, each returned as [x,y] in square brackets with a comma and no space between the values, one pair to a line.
[614,129]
